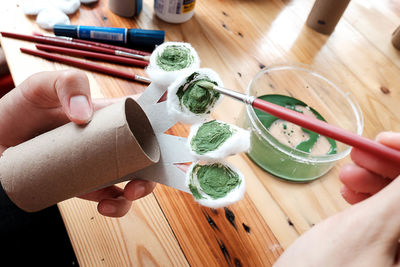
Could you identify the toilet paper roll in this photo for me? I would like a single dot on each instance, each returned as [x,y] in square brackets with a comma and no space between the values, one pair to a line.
[125,8]
[72,160]
[396,38]
[325,14]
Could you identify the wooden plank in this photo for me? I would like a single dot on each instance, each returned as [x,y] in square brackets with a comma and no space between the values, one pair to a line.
[141,238]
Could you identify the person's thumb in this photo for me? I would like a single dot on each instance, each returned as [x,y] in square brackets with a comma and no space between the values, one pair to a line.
[73,91]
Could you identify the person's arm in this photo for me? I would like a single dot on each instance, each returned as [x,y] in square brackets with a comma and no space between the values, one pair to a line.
[47,100]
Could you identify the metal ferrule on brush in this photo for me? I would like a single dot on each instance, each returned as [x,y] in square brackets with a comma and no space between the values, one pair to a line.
[238,96]
[142,79]
[126,54]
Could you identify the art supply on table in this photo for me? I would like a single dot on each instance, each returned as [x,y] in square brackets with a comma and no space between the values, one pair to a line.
[51,16]
[86,65]
[118,36]
[325,14]
[117,49]
[189,102]
[396,38]
[174,11]
[50,13]
[170,60]
[312,124]
[71,44]
[72,160]
[92,55]
[217,140]
[125,8]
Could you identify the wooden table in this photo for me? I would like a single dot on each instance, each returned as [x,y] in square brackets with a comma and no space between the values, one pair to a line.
[235,38]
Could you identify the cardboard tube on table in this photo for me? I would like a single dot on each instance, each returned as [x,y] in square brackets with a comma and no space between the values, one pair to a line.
[325,14]
[72,160]
[396,38]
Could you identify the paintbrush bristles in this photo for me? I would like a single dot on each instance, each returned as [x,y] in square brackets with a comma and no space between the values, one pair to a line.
[206,85]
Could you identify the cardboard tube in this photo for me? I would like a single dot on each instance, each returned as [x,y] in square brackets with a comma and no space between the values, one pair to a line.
[124,8]
[325,14]
[72,160]
[396,38]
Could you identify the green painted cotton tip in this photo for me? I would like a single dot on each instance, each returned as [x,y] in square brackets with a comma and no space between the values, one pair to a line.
[210,136]
[174,57]
[196,98]
[188,101]
[215,184]
[216,140]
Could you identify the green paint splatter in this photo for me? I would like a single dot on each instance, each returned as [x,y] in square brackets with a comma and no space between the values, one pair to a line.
[216,180]
[291,103]
[174,57]
[210,136]
[196,98]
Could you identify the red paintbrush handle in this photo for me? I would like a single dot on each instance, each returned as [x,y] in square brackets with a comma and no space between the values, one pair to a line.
[94,55]
[114,47]
[328,130]
[81,64]
[58,42]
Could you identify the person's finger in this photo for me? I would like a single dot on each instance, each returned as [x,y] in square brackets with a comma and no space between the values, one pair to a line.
[136,189]
[391,139]
[107,192]
[99,103]
[73,91]
[114,207]
[361,180]
[378,165]
[351,196]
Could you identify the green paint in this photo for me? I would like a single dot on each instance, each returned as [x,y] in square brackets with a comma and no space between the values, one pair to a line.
[174,57]
[210,136]
[216,180]
[196,98]
[286,163]
[195,191]
[291,103]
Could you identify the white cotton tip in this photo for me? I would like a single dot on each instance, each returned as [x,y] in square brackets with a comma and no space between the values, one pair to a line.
[169,60]
[216,140]
[67,6]
[189,103]
[33,7]
[48,17]
[85,2]
[215,184]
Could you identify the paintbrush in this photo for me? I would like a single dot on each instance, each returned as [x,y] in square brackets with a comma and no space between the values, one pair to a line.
[57,41]
[86,65]
[312,124]
[92,55]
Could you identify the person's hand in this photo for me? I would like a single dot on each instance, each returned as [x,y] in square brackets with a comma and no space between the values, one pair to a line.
[365,234]
[369,173]
[47,100]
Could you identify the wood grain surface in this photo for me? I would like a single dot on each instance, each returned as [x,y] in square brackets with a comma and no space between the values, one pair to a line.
[236,38]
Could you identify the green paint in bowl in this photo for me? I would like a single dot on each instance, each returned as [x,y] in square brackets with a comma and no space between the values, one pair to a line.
[298,84]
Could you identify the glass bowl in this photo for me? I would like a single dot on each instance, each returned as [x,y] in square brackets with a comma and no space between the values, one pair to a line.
[301,82]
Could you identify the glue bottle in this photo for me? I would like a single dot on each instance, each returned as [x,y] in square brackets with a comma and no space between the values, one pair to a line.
[174,11]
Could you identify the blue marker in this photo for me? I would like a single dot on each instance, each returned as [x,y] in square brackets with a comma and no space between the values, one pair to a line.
[118,36]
